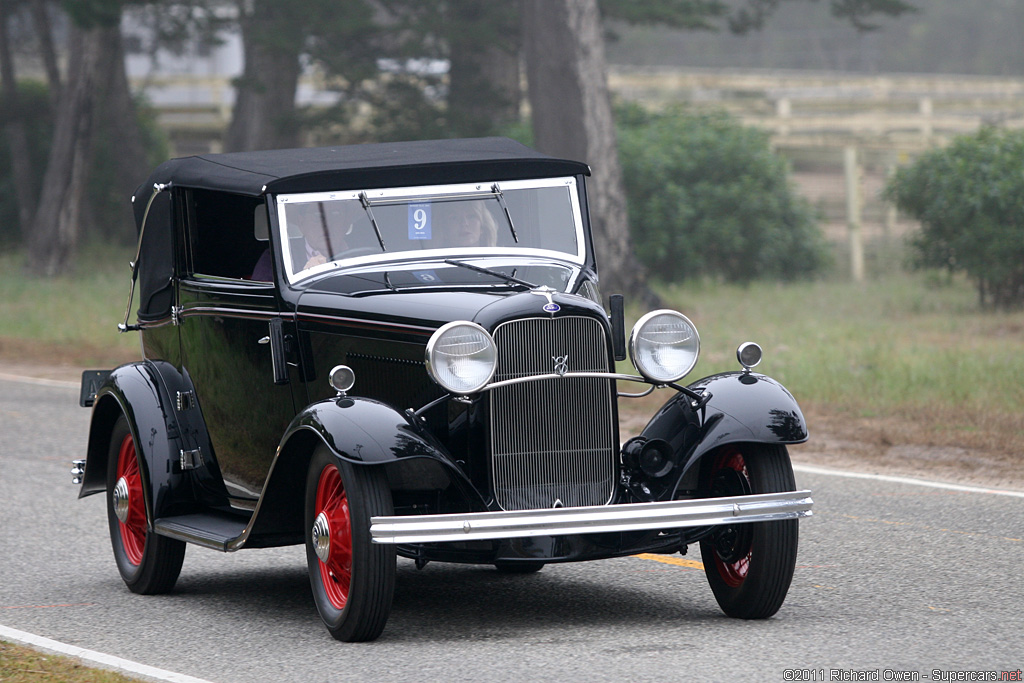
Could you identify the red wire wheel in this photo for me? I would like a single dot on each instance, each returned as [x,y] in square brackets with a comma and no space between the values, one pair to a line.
[353,578]
[732,544]
[133,528]
[332,506]
[148,563]
[749,566]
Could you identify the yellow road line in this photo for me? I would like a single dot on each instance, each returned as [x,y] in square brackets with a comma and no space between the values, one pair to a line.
[667,559]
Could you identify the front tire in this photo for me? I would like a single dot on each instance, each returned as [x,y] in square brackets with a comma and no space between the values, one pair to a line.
[750,566]
[148,563]
[353,579]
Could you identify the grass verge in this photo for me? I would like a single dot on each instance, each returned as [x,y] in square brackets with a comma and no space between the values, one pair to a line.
[21,664]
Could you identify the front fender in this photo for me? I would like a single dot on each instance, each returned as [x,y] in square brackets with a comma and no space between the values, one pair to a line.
[744,407]
[366,432]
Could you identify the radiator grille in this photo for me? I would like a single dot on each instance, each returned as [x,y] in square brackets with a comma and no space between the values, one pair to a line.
[552,440]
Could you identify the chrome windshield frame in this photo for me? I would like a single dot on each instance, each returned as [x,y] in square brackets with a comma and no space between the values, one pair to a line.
[453,192]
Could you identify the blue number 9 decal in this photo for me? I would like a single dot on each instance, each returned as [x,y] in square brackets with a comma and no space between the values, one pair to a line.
[419,221]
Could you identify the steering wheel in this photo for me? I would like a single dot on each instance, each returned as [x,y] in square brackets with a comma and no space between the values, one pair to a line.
[355,251]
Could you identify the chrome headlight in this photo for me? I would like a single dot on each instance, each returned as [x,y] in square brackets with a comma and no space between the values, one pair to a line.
[461,357]
[664,346]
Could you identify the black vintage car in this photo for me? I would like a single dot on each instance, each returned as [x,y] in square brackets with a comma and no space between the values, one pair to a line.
[400,349]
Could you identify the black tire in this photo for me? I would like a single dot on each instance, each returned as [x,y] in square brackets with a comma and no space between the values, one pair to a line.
[750,566]
[148,563]
[525,567]
[353,589]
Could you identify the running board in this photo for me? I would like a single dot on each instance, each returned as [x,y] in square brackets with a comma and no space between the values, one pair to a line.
[215,530]
[666,515]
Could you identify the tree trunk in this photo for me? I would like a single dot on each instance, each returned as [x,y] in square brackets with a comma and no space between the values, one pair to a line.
[264,116]
[41,19]
[572,118]
[117,124]
[54,234]
[25,192]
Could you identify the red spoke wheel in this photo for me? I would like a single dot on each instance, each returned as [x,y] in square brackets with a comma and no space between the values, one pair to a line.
[353,579]
[750,566]
[128,502]
[148,563]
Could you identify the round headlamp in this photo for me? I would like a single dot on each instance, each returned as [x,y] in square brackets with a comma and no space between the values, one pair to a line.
[664,346]
[461,357]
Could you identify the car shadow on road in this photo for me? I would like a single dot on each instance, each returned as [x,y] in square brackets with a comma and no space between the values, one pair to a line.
[446,602]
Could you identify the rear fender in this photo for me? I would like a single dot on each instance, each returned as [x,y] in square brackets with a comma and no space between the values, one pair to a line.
[140,392]
[744,407]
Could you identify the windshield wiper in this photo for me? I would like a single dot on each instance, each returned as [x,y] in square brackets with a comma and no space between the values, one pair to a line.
[365,201]
[496,189]
[493,273]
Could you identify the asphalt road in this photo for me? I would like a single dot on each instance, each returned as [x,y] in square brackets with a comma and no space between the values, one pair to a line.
[890,577]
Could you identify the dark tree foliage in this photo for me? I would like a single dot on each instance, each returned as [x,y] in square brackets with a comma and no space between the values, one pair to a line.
[94,13]
[741,16]
[708,198]
[33,107]
[399,81]
[968,197]
[679,14]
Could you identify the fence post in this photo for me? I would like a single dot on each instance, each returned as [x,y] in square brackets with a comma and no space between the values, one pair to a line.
[852,173]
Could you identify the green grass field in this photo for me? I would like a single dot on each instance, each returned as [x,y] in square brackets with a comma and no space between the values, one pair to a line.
[72,318]
[911,347]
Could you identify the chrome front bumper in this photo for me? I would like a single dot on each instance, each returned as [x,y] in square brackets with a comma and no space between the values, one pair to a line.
[673,514]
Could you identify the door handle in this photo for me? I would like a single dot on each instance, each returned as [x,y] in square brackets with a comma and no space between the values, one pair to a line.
[277,353]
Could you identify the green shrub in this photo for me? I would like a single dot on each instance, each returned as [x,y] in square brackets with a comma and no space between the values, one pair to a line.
[969,198]
[708,198]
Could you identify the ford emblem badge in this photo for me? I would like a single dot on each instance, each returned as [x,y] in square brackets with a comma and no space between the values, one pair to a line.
[552,307]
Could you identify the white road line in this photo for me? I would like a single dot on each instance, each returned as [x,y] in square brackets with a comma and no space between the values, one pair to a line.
[39,381]
[104,660]
[811,469]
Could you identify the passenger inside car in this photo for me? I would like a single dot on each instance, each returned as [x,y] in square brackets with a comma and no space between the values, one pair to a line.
[466,224]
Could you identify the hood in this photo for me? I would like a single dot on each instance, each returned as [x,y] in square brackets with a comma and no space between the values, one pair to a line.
[414,303]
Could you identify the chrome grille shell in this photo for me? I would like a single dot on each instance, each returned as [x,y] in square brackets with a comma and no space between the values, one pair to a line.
[553,441]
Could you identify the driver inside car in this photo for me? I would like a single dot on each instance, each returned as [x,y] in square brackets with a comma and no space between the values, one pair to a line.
[321,237]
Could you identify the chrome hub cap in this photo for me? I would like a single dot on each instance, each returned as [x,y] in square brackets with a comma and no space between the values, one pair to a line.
[322,537]
[121,500]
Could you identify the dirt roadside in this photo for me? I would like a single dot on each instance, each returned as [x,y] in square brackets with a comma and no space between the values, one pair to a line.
[866,446]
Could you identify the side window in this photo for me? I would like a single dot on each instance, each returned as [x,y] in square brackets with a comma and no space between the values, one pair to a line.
[224,240]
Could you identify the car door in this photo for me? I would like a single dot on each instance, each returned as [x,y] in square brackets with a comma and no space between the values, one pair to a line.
[226,319]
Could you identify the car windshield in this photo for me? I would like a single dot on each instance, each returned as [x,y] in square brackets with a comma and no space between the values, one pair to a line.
[335,229]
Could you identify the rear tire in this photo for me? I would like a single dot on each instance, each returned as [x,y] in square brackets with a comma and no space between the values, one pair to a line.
[750,566]
[148,563]
[354,582]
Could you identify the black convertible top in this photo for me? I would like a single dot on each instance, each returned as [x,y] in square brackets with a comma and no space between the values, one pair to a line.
[390,164]
[320,169]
